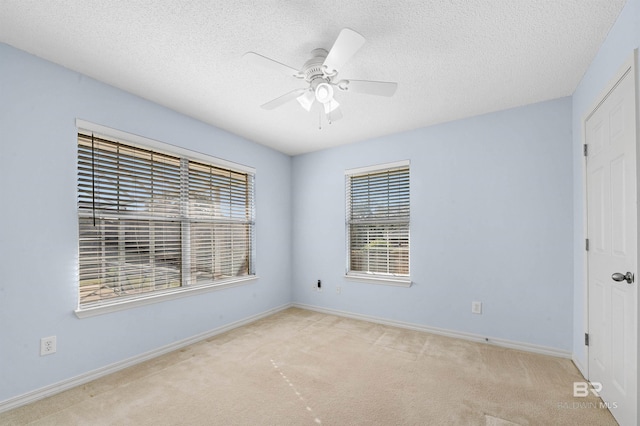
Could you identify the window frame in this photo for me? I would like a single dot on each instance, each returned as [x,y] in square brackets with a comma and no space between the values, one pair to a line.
[399,280]
[126,302]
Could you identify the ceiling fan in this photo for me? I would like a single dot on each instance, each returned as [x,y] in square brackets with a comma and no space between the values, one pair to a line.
[321,74]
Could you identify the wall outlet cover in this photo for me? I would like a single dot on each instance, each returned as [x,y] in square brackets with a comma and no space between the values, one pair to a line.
[47,345]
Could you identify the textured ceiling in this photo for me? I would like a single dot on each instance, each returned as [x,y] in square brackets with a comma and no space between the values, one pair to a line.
[451,58]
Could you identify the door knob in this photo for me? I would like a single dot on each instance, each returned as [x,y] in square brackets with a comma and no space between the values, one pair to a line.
[628,277]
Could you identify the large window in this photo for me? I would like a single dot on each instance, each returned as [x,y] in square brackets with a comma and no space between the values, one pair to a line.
[378,222]
[152,221]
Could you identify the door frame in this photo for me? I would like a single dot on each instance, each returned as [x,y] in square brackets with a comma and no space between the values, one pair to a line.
[631,63]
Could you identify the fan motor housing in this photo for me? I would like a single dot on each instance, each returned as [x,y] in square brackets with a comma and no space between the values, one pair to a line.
[312,69]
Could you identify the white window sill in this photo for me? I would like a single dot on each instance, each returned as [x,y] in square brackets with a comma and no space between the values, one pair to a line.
[147,299]
[394,281]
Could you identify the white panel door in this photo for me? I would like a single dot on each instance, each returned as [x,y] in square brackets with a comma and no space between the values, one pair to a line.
[610,133]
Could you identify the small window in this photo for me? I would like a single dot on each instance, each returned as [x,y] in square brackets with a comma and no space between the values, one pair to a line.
[377,225]
[152,221]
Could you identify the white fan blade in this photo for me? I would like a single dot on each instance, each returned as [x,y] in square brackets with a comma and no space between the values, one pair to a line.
[345,46]
[283,99]
[263,61]
[379,88]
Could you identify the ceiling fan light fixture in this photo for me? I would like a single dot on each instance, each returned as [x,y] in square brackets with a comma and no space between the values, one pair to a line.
[330,106]
[324,93]
[306,100]
[321,73]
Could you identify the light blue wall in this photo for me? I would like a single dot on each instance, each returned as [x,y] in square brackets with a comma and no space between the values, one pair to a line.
[39,103]
[491,220]
[622,39]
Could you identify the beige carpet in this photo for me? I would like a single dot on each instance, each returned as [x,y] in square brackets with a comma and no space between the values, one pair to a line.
[299,367]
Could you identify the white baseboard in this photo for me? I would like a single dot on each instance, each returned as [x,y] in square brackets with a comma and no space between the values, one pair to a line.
[528,347]
[580,366]
[64,385]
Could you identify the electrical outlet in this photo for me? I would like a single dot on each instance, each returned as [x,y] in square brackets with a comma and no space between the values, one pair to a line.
[319,286]
[338,289]
[47,345]
[476,308]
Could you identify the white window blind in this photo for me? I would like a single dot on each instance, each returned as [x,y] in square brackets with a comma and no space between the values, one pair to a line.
[378,207]
[151,221]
